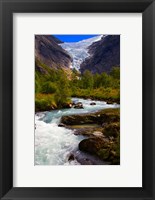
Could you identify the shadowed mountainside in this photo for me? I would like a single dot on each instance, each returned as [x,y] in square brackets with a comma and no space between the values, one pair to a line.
[49,53]
[104,54]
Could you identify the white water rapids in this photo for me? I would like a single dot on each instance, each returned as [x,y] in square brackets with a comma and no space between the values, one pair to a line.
[53,144]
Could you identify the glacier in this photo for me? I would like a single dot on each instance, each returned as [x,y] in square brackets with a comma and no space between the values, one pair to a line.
[79,50]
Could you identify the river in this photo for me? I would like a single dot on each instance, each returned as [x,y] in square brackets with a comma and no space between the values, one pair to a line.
[54,144]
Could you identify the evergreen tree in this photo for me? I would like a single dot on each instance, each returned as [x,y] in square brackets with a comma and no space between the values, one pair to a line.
[87,80]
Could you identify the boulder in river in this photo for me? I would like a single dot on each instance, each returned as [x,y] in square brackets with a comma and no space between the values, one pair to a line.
[92,103]
[68,105]
[103,138]
[104,116]
[87,159]
[93,145]
[105,149]
[71,157]
[78,105]
[62,125]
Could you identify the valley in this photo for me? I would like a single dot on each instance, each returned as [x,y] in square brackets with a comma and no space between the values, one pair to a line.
[77,100]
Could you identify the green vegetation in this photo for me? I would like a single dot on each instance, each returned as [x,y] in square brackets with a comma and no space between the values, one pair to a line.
[55,87]
[102,141]
[44,102]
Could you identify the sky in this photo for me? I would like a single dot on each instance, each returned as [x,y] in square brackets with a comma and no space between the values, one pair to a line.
[73,38]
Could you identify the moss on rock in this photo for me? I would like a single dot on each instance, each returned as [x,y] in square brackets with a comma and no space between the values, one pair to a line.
[103,140]
[103,154]
[93,145]
[103,148]
[100,117]
[112,130]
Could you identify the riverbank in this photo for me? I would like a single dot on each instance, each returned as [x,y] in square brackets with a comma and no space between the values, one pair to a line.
[47,102]
[102,129]
[109,95]
[59,145]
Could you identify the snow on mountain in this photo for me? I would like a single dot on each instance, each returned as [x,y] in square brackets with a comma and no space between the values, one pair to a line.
[79,50]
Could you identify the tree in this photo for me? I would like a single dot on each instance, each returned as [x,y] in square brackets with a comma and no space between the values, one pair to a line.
[105,80]
[49,87]
[74,79]
[63,90]
[37,86]
[97,80]
[87,80]
[115,73]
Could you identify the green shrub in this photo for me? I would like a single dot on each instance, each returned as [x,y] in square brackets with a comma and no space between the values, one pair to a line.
[44,102]
[49,87]
[87,85]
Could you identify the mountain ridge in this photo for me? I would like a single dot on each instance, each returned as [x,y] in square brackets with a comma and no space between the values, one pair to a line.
[104,55]
[97,54]
[50,53]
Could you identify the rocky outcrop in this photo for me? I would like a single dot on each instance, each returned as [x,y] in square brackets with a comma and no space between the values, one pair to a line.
[100,117]
[106,148]
[103,140]
[61,125]
[78,105]
[92,103]
[112,130]
[87,159]
[91,131]
[93,145]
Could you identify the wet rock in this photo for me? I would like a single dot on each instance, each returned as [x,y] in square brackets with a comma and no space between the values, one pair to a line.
[93,145]
[71,157]
[98,134]
[69,105]
[104,153]
[100,117]
[88,131]
[83,131]
[109,102]
[92,103]
[104,124]
[78,105]
[62,125]
[86,159]
[112,130]
[102,139]
[104,148]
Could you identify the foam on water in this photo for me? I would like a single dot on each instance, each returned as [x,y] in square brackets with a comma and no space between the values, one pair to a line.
[53,144]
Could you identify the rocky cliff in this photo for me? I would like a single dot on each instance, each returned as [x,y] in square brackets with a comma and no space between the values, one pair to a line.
[48,52]
[104,54]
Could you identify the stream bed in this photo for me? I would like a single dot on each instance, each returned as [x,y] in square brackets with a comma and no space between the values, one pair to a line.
[53,144]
